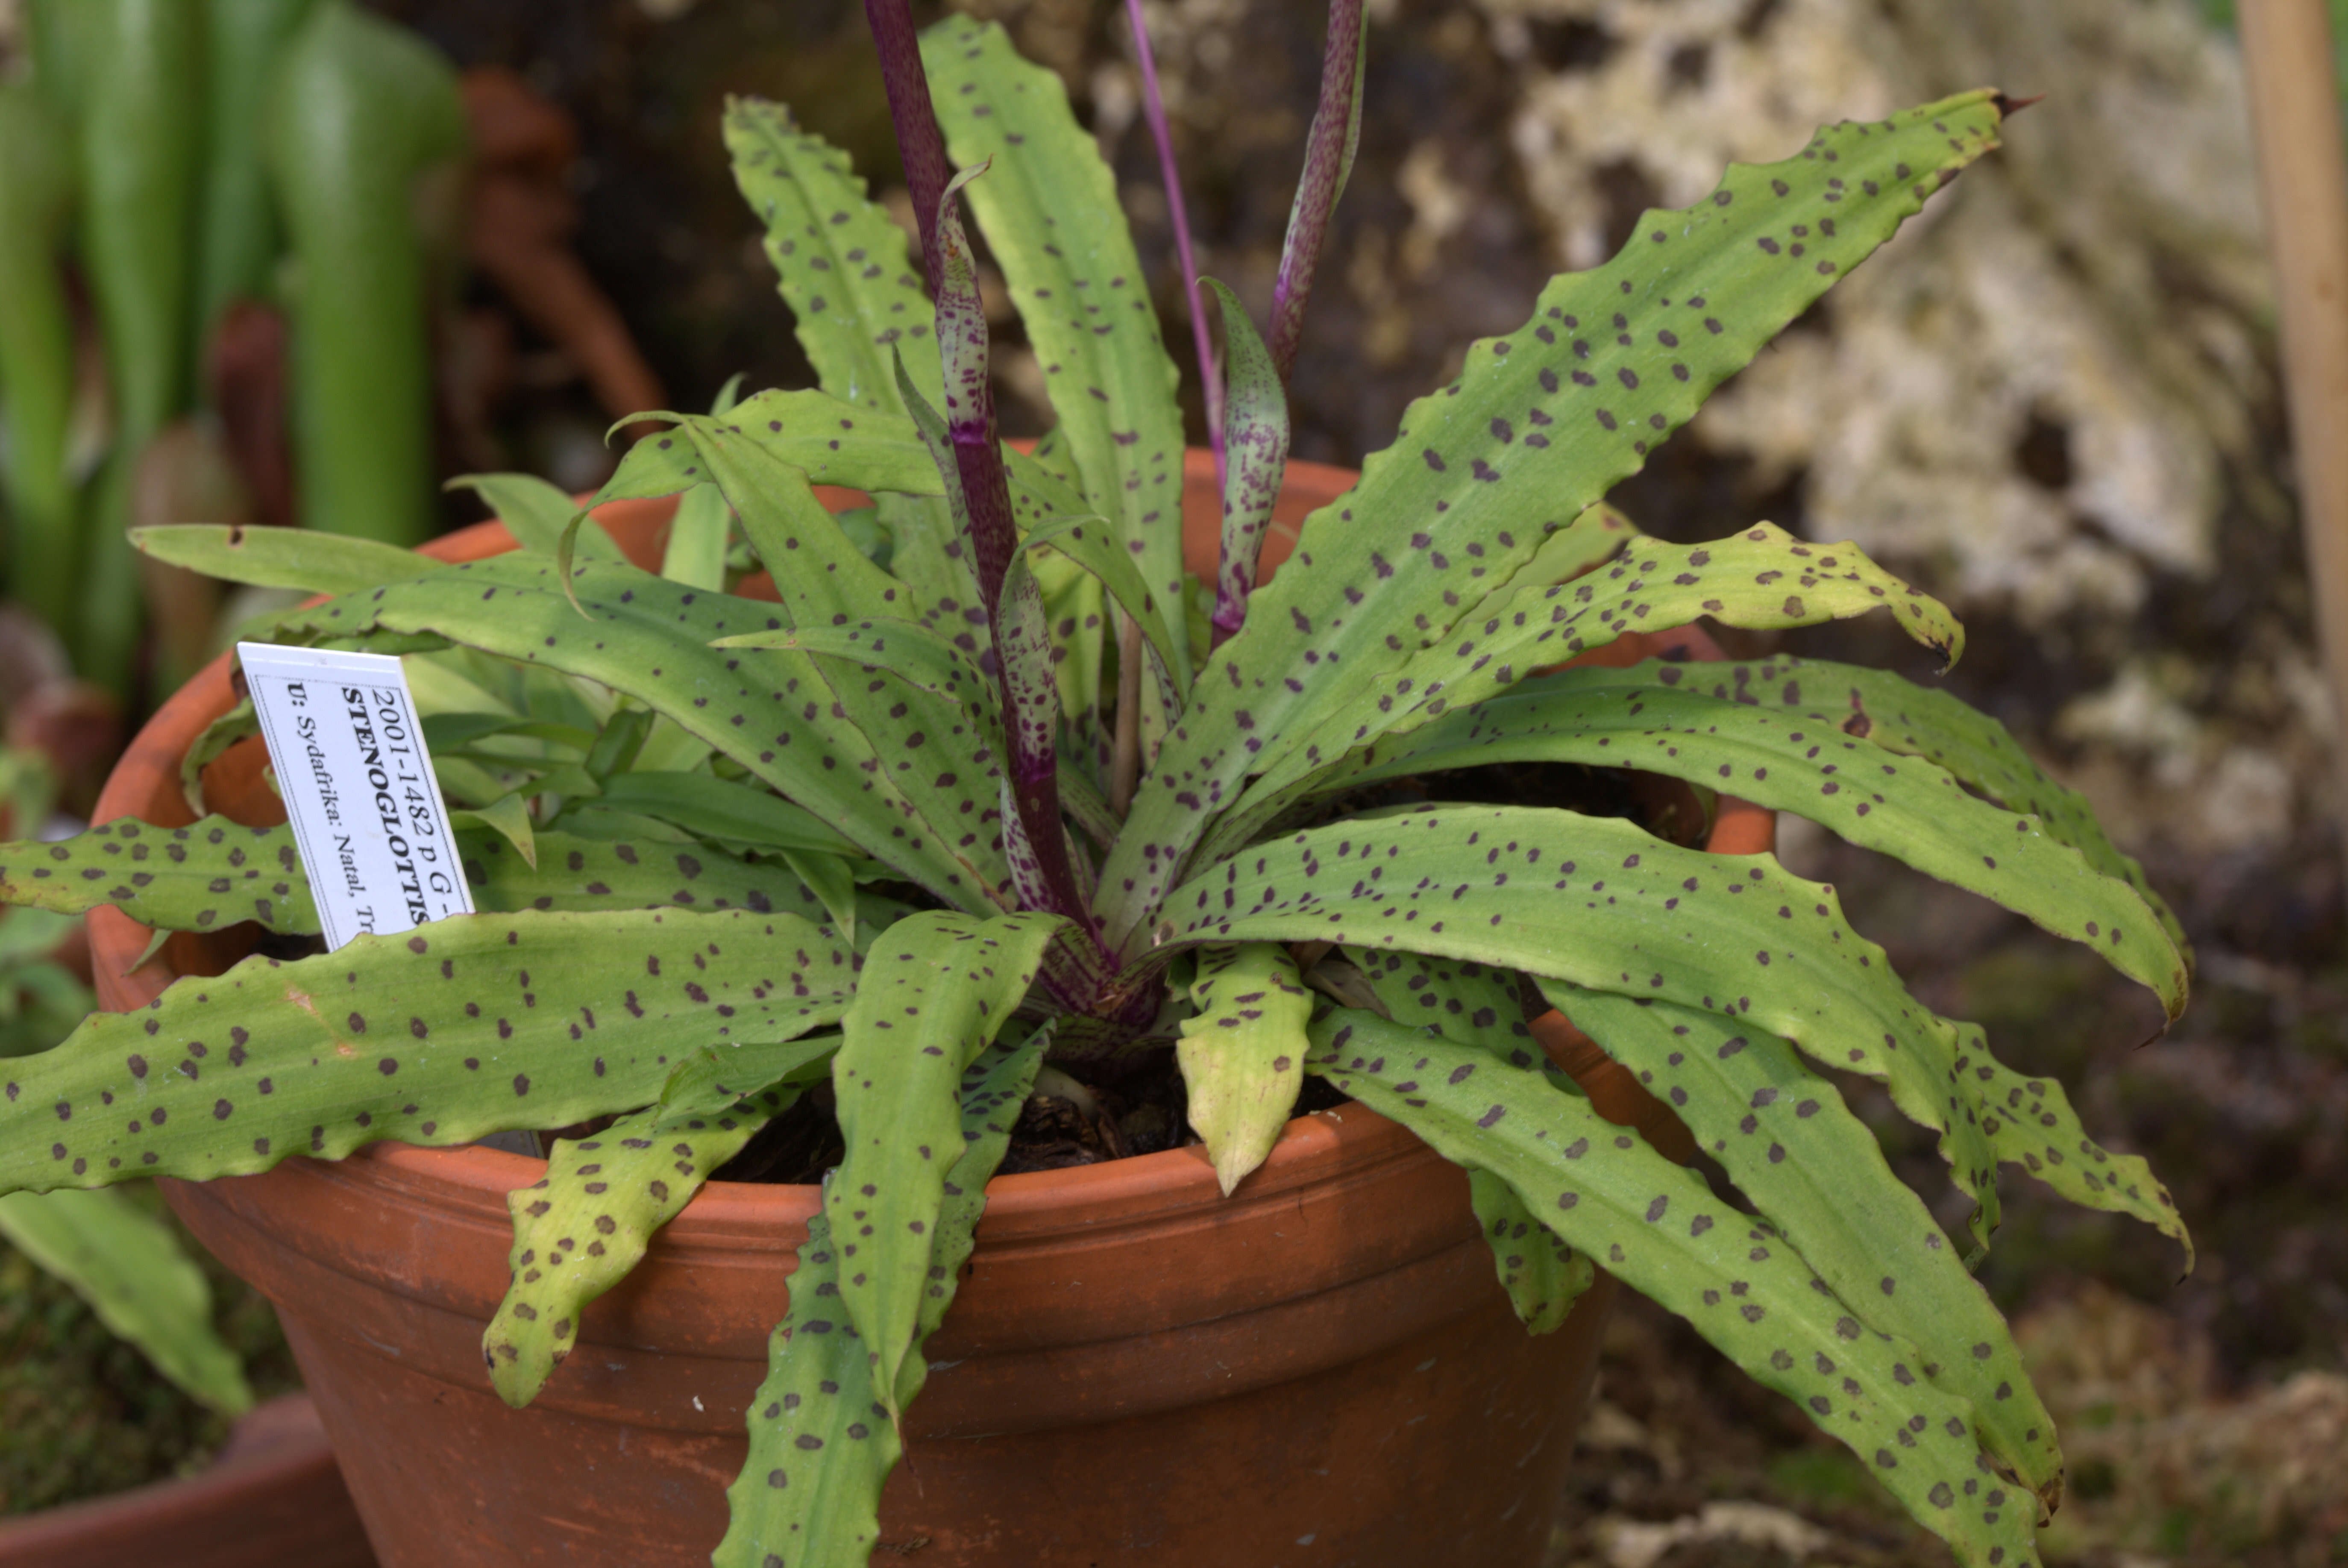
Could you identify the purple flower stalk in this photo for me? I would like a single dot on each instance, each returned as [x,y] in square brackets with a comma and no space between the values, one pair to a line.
[1328,159]
[1034,837]
[1153,108]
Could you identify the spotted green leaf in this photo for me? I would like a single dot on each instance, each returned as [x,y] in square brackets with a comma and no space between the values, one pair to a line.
[309,559]
[198,878]
[826,439]
[1542,1274]
[1782,734]
[1587,542]
[1242,1053]
[777,714]
[1802,1158]
[1084,542]
[817,1396]
[936,991]
[217,872]
[132,1269]
[858,306]
[438,1036]
[538,515]
[1601,903]
[579,1229]
[1917,721]
[1540,424]
[2030,1123]
[1764,578]
[1255,452]
[1738,1280]
[712,808]
[1050,213]
[1463,1001]
[819,572]
[844,269]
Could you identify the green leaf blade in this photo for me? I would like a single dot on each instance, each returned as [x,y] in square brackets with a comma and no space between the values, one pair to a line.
[933,993]
[130,1268]
[228,1075]
[818,1397]
[649,640]
[1601,902]
[1242,1053]
[1660,1230]
[306,559]
[1766,733]
[842,262]
[1050,213]
[1517,447]
[616,1189]
[1795,1149]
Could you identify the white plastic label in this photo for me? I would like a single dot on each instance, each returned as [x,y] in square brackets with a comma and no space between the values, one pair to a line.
[358,787]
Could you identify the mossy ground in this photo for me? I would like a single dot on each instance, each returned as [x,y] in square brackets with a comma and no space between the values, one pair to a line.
[83,1414]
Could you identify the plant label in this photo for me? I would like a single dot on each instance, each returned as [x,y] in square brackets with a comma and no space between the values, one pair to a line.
[359,788]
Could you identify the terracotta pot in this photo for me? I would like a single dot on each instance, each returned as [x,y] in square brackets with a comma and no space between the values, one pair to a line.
[273,1497]
[1320,1369]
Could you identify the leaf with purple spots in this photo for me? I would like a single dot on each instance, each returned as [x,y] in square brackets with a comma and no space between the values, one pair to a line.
[203,877]
[2029,1123]
[771,713]
[310,560]
[1543,1274]
[537,514]
[579,1229]
[1050,214]
[1461,1000]
[936,989]
[855,294]
[1540,424]
[465,1027]
[1601,903]
[1255,447]
[826,439]
[845,272]
[1242,1053]
[176,885]
[1737,1281]
[1736,733]
[1917,721]
[1588,542]
[816,1398]
[1763,578]
[1797,1151]
[819,572]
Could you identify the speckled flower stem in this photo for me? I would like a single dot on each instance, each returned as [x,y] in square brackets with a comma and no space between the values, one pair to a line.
[1328,158]
[1047,879]
[1153,108]
[919,142]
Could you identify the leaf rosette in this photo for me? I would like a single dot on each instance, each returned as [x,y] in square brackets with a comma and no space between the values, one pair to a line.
[987,787]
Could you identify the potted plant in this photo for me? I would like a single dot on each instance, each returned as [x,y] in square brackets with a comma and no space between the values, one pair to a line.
[993,797]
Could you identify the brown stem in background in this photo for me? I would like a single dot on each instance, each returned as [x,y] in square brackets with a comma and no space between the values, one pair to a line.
[2304,178]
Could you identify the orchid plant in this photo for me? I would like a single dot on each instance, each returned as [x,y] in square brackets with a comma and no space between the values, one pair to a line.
[994,788]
